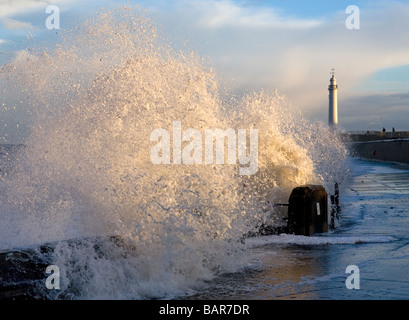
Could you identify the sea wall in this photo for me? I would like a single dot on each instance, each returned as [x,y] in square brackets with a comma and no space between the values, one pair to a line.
[394,150]
[359,136]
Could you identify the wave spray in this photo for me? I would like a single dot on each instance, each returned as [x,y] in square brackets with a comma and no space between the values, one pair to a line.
[86,170]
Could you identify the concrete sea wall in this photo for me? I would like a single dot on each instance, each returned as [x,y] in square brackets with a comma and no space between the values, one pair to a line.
[393,150]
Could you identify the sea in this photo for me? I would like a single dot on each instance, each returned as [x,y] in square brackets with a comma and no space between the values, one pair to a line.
[126,225]
[371,239]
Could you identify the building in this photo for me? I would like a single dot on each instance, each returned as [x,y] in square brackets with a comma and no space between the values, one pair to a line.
[333,102]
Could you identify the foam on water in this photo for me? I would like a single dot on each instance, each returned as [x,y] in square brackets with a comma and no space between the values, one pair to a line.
[315,240]
[85,171]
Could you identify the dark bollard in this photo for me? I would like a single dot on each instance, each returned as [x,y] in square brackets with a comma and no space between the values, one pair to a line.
[308,210]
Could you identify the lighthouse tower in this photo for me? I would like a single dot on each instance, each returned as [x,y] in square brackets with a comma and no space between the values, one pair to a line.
[333,102]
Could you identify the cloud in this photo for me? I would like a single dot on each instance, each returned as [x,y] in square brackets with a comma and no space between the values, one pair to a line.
[254,47]
[13,24]
[260,47]
[220,14]
[9,8]
[376,111]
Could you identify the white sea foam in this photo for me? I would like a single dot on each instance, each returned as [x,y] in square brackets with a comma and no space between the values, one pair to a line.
[315,240]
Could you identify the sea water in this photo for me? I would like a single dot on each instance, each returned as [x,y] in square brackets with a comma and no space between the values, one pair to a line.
[371,239]
[85,170]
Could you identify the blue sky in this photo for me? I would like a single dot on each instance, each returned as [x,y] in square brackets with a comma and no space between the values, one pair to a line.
[286,45]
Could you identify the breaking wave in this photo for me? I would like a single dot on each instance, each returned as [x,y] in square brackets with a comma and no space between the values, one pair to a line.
[85,170]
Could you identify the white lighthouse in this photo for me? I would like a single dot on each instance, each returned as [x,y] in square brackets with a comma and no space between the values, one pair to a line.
[333,102]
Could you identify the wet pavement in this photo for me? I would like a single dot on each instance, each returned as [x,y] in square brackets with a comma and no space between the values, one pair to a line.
[372,235]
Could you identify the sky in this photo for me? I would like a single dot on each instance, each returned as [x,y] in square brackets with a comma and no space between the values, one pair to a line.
[286,45]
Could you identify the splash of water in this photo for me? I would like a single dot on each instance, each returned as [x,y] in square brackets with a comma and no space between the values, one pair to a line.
[86,171]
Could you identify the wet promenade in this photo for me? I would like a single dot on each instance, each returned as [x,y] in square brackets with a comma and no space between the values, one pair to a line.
[373,235]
